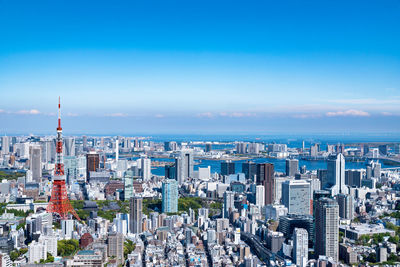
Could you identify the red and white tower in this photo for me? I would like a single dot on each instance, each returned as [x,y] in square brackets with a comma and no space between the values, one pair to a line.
[59,202]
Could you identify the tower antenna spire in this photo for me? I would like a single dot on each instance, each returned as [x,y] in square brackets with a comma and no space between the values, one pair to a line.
[59,114]
[59,202]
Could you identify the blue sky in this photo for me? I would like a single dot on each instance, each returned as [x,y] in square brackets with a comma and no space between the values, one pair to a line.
[200,66]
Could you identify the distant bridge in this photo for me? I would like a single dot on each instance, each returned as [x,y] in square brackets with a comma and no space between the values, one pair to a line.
[393,160]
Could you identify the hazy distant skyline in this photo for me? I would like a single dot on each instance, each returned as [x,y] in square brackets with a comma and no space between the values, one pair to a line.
[185,66]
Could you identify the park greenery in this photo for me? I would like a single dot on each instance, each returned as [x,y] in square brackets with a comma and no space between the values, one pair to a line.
[15,254]
[102,211]
[49,259]
[129,246]
[375,239]
[67,247]
[10,175]
[18,213]
[149,205]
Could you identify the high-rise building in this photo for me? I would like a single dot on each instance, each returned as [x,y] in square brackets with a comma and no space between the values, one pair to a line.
[249,169]
[353,178]
[383,150]
[184,166]
[35,162]
[115,248]
[396,149]
[300,247]
[92,163]
[170,146]
[69,143]
[229,202]
[36,252]
[265,177]
[241,148]
[71,168]
[67,228]
[84,142]
[260,195]
[5,145]
[136,210]
[336,176]
[296,196]
[116,150]
[227,168]
[346,206]
[208,147]
[373,169]
[289,222]
[48,151]
[327,228]
[317,194]
[292,167]
[170,196]
[170,171]
[145,169]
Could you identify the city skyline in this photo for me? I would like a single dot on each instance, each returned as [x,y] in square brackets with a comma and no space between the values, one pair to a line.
[210,67]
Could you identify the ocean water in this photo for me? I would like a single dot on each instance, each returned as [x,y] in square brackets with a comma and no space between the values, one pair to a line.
[292,140]
[279,165]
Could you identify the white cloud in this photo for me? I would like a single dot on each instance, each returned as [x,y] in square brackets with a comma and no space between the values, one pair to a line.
[237,114]
[117,115]
[205,115]
[159,116]
[306,116]
[349,112]
[29,112]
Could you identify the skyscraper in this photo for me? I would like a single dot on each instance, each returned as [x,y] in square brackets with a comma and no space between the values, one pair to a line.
[145,169]
[296,196]
[346,206]
[35,162]
[84,142]
[92,163]
[227,168]
[208,147]
[170,196]
[265,177]
[116,246]
[116,149]
[260,195]
[69,143]
[184,166]
[229,202]
[135,220]
[5,145]
[292,167]
[336,176]
[353,178]
[300,247]
[249,169]
[327,228]
[383,150]
[71,168]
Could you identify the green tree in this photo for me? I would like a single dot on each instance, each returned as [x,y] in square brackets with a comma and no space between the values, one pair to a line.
[21,225]
[129,246]
[67,247]
[50,258]
[371,257]
[14,255]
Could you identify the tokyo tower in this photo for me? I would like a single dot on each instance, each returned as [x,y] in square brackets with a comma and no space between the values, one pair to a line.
[59,202]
